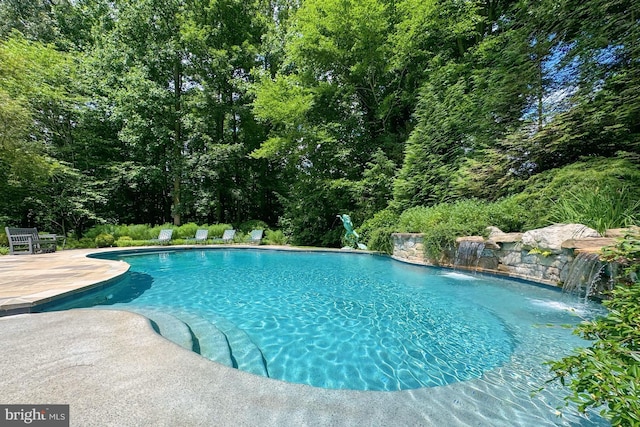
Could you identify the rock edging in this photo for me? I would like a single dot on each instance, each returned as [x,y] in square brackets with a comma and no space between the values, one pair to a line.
[542,255]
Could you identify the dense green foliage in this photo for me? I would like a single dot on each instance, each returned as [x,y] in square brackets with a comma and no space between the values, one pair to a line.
[598,192]
[606,375]
[443,223]
[146,232]
[290,112]
[433,116]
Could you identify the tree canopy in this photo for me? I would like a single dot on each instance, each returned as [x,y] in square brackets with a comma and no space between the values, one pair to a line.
[291,112]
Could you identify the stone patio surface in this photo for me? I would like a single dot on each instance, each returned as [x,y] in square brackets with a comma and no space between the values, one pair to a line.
[114,370]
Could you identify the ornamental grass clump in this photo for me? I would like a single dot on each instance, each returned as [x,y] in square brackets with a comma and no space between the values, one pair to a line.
[598,207]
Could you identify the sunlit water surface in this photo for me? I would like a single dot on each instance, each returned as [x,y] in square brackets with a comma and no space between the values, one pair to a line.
[364,322]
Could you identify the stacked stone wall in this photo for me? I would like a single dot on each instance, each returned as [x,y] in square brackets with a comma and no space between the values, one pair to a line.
[542,255]
[409,247]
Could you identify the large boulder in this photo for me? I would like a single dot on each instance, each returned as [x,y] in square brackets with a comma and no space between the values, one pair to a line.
[550,238]
[498,236]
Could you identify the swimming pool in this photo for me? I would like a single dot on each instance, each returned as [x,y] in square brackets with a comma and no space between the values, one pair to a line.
[351,321]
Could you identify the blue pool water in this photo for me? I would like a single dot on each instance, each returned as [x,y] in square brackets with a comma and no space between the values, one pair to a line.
[347,321]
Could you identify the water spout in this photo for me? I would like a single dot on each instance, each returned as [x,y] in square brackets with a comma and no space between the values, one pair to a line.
[469,253]
[585,273]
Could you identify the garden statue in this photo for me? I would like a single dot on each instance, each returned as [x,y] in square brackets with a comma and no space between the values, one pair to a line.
[351,236]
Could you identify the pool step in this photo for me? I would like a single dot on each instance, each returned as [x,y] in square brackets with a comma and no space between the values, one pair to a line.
[170,327]
[212,342]
[244,352]
[239,350]
[215,338]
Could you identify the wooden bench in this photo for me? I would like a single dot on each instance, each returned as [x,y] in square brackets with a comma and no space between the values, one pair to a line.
[28,241]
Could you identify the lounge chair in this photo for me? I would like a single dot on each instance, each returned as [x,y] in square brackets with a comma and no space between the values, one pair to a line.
[28,241]
[164,236]
[256,236]
[227,236]
[201,236]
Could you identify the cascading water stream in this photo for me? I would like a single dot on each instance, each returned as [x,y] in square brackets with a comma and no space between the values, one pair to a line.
[469,253]
[584,274]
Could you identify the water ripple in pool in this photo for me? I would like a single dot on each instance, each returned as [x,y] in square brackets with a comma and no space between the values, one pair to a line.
[351,322]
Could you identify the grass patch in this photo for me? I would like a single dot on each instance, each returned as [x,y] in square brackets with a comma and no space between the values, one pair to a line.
[600,208]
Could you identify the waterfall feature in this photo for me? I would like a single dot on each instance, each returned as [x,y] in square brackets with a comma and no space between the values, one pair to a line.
[584,275]
[469,253]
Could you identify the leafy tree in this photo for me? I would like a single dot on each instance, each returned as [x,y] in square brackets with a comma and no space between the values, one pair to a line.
[143,59]
[596,48]
[39,85]
[65,24]
[33,19]
[334,103]
[482,76]
[174,76]
[225,44]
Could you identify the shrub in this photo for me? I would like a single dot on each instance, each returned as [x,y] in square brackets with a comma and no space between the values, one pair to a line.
[601,208]
[216,230]
[126,242]
[104,240]
[83,243]
[376,231]
[135,231]
[548,196]
[254,224]
[380,240]
[419,219]
[97,230]
[509,214]
[443,223]
[626,255]
[140,234]
[185,231]
[386,218]
[240,237]
[275,237]
[606,375]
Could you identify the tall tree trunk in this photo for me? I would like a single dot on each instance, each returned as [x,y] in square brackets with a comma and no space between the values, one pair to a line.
[177,148]
[540,94]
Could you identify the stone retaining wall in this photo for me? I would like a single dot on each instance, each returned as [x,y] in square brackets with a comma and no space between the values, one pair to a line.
[543,255]
[510,259]
[408,247]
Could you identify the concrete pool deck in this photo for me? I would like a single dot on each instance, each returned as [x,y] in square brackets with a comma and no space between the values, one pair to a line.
[114,370]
